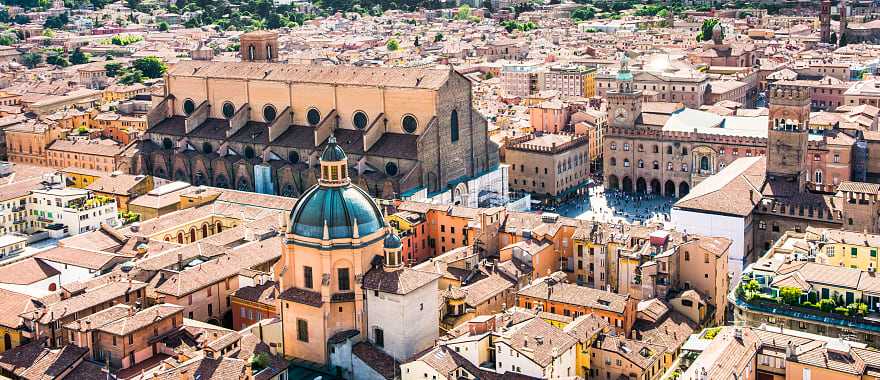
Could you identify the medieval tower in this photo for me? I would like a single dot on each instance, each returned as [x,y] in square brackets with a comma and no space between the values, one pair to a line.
[787,136]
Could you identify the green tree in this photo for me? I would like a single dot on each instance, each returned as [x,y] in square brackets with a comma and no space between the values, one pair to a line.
[464,12]
[57,60]
[6,40]
[392,45]
[705,33]
[78,57]
[583,13]
[131,76]
[163,26]
[113,68]
[438,37]
[150,67]
[21,19]
[31,60]
[826,305]
[791,295]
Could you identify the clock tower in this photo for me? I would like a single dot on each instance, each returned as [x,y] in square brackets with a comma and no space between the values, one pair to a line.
[624,102]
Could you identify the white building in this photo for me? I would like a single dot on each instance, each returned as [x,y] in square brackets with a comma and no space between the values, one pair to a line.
[722,205]
[77,209]
[403,317]
[398,296]
[76,264]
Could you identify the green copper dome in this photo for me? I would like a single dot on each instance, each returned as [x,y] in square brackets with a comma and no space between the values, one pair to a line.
[333,152]
[340,207]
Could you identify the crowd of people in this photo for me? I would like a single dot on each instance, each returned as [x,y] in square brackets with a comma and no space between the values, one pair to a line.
[613,205]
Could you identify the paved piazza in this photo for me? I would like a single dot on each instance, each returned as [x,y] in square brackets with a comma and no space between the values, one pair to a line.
[612,206]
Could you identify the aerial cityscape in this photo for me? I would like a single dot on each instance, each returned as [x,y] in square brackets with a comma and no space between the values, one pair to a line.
[443,190]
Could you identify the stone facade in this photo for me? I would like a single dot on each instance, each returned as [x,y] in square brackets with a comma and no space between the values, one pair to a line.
[404,129]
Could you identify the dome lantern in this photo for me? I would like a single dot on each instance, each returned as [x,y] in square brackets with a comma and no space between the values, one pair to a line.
[334,165]
[392,249]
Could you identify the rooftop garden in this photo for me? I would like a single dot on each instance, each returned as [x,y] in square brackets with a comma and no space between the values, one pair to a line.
[751,291]
[711,333]
[128,217]
[90,203]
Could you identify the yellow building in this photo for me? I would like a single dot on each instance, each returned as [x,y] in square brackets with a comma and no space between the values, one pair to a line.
[81,178]
[844,248]
[590,84]
[122,92]
[586,329]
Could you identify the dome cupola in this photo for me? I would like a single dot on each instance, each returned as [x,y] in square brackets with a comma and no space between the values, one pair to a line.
[392,249]
[334,208]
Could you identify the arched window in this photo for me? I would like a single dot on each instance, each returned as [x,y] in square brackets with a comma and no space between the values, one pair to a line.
[207,148]
[313,116]
[656,165]
[453,126]
[656,149]
[268,52]
[359,120]
[641,164]
[219,227]
[293,157]
[189,106]
[612,161]
[228,110]
[269,113]
[205,230]
[249,152]
[180,237]
[252,52]
[7,342]
[192,234]
[626,162]
[818,176]
[167,143]
[669,150]
[704,163]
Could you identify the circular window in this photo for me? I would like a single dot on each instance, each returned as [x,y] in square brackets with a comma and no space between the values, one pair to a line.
[189,106]
[293,157]
[313,116]
[228,110]
[410,124]
[269,113]
[207,148]
[360,120]
[391,169]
